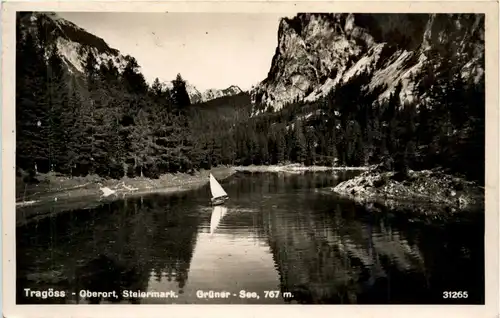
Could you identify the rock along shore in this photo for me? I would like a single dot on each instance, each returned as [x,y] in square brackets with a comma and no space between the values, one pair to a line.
[433,187]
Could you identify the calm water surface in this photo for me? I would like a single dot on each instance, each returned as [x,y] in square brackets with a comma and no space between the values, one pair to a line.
[279,232]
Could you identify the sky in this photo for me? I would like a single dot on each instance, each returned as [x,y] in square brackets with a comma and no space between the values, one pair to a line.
[209,50]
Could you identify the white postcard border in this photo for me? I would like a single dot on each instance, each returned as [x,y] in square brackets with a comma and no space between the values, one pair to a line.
[490,309]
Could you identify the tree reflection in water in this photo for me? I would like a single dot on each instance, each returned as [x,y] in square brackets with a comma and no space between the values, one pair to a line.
[114,247]
[103,274]
[338,253]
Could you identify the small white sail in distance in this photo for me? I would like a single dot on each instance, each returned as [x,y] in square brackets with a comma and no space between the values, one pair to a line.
[217,215]
[216,188]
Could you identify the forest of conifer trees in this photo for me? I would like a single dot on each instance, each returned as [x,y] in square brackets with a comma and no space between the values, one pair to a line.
[113,124]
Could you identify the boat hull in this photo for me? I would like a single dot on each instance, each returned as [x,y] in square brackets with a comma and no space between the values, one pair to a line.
[219,200]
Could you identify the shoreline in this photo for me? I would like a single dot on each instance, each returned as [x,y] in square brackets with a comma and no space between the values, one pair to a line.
[54,193]
[88,195]
[296,168]
[429,189]
[55,188]
[421,188]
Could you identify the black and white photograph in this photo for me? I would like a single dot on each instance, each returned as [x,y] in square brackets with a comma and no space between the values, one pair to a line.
[314,158]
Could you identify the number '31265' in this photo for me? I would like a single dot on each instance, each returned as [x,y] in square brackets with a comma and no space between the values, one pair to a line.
[455,294]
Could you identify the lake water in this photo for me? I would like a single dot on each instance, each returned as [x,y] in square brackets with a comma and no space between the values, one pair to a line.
[281,233]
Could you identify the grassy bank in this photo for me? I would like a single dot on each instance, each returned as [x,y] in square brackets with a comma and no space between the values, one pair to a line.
[56,188]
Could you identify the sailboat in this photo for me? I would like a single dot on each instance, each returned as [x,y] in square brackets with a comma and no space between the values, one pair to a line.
[217,214]
[219,196]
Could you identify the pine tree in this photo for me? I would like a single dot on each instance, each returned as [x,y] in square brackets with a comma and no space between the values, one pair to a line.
[280,144]
[91,71]
[299,143]
[180,96]
[32,105]
[57,96]
[70,134]
[156,88]
[359,155]
[141,148]
[310,140]
[132,78]
[228,148]
[263,152]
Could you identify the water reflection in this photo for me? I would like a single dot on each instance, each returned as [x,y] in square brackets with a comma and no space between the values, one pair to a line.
[235,257]
[276,233]
[326,260]
[115,247]
[103,274]
[217,214]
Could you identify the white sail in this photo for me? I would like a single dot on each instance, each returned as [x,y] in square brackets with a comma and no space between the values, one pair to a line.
[217,215]
[216,188]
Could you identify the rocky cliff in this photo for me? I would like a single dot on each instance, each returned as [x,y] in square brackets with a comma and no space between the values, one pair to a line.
[213,93]
[318,52]
[74,44]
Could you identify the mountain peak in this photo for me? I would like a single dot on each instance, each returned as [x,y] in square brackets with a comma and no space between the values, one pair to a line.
[213,93]
[317,52]
[73,43]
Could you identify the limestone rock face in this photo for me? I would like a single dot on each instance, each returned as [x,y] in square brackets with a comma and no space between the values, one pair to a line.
[74,44]
[213,93]
[318,52]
